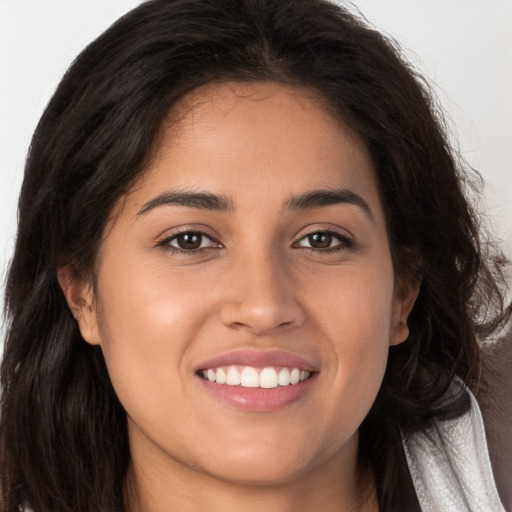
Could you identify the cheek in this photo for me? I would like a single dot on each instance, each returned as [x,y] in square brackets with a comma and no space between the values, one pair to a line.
[147,304]
[354,313]
[148,324]
[355,305]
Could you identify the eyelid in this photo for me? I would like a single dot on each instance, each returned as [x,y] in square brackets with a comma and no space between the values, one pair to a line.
[346,240]
[188,228]
[165,239]
[320,227]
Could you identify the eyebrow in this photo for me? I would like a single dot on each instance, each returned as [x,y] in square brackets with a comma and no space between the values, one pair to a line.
[213,202]
[322,198]
[200,200]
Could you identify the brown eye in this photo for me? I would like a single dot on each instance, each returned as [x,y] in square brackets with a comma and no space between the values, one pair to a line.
[325,240]
[189,241]
[320,240]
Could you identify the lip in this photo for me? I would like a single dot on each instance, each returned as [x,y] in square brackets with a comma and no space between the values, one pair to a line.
[258,399]
[258,359]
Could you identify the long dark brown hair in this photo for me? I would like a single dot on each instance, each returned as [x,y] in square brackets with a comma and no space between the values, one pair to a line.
[63,436]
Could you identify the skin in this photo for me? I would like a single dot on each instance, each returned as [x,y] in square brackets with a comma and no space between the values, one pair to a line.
[256,283]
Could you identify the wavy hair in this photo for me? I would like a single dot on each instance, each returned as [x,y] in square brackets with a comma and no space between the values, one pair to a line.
[63,435]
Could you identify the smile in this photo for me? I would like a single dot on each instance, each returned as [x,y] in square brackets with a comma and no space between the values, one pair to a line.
[252,377]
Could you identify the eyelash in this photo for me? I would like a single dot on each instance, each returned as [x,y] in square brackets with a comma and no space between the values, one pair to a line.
[166,243]
[345,243]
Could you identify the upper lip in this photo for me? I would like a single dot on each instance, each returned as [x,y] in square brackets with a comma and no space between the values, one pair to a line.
[258,359]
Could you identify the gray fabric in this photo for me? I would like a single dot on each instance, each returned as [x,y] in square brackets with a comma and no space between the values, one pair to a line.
[495,399]
[450,466]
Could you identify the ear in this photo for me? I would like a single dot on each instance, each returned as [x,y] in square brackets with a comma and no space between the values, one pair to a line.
[405,295]
[80,298]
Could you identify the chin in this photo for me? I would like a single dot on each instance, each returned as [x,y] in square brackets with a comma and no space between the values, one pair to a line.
[260,472]
[264,462]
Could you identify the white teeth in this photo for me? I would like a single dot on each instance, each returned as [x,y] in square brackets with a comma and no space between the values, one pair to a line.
[233,377]
[220,376]
[284,377]
[268,378]
[251,377]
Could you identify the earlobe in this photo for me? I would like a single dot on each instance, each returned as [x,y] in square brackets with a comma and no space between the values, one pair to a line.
[403,302]
[80,298]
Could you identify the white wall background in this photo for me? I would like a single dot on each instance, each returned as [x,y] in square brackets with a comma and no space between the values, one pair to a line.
[463,46]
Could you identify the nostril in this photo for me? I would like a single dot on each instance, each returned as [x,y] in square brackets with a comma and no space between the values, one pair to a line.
[261,318]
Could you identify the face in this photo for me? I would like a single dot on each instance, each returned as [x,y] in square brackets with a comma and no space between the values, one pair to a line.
[245,297]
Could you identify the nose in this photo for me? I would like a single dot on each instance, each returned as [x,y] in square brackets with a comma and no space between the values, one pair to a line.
[261,297]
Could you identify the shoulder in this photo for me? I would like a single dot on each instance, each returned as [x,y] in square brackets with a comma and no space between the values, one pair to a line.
[495,400]
[449,462]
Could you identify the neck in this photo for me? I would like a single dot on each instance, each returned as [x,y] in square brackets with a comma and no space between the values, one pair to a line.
[329,487]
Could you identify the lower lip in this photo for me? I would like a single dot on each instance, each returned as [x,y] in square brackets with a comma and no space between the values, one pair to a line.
[258,399]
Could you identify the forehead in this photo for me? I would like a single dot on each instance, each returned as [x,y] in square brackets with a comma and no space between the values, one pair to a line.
[260,138]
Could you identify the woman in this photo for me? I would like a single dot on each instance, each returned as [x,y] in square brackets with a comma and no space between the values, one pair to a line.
[246,276]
